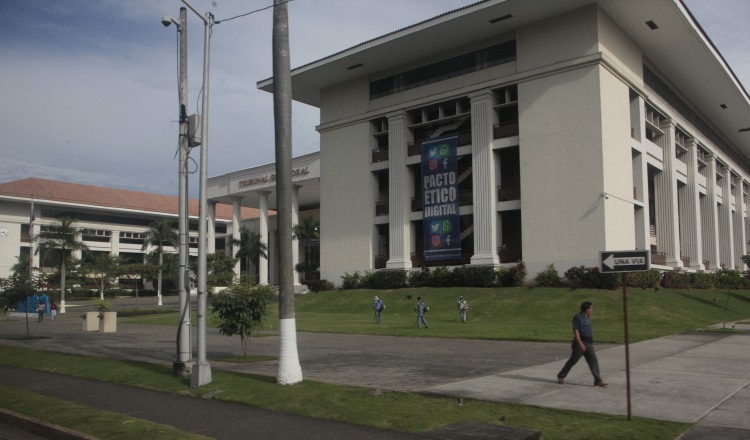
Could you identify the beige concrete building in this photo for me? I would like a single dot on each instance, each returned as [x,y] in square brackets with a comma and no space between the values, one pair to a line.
[581,126]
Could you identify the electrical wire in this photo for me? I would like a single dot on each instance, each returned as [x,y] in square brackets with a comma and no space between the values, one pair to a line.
[251,12]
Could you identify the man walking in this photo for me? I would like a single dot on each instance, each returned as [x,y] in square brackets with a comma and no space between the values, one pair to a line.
[421,309]
[583,345]
[378,306]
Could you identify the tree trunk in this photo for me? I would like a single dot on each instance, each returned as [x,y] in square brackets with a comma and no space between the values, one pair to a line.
[62,284]
[161,263]
[290,371]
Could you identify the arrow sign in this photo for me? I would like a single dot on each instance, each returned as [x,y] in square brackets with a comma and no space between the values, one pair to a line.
[624,261]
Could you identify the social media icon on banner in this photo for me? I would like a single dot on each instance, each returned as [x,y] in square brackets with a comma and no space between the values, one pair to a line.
[432,165]
[435,226]
[447,226]
[436,240]
[444,150]
[433,151]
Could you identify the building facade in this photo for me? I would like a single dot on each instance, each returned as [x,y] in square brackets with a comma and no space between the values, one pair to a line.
[112,221]
[581,126]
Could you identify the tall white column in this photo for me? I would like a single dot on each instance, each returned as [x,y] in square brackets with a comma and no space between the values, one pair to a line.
[691,211]
[211,228]
[725,218]
[739,230]
[263,232]
[34,233]
[236,217]
[710,218]
[665,186]
[400,190]
[295,240]
[114,243]
[484,180]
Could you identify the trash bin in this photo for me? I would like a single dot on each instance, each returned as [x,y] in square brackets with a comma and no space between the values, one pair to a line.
[90,321]
[108,322]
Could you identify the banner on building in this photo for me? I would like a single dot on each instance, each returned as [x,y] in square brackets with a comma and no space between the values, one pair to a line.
[442,235]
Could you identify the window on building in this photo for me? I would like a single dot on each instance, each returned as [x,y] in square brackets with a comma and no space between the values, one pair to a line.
[449,68]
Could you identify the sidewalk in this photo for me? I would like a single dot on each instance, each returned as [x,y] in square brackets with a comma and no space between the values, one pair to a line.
[695,377]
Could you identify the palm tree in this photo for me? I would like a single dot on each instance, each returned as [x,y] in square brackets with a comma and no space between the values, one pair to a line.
[160,234]
[290,371]
[250,247]
[61,238]
[306,231]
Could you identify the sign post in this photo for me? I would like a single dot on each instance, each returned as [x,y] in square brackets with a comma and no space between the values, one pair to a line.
[624,262]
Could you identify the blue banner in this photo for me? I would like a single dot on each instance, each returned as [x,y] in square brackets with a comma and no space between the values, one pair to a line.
[442,235]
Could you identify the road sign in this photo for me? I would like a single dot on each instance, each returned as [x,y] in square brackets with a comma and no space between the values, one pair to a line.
[624,261]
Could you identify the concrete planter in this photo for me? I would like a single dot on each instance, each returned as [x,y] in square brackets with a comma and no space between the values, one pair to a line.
[108,322]
[90,321]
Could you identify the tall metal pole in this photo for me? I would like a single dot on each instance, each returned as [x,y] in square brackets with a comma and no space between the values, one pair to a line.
[182,365]
[201,374]
[627,337]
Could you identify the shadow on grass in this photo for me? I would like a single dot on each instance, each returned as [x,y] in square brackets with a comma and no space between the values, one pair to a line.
[716,303]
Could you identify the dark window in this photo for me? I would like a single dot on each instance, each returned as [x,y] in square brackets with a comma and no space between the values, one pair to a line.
[446,69]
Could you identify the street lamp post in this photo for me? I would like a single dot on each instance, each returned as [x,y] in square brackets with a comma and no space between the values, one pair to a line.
[201,374]
[183,364]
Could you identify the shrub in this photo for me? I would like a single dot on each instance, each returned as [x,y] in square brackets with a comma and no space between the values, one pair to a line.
[729,279]
[418,278]
[591,278]
[441,277]
[701,280]
[646,279]
[675,280]
[478,276]
[384,279]
[319,285]
[511,276]
[548,277]
[353,281]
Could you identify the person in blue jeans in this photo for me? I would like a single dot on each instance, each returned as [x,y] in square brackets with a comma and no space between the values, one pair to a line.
[421,309]
[583,345]
[378,306]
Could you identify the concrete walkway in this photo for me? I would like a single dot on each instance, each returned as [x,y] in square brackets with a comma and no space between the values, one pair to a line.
[697,377]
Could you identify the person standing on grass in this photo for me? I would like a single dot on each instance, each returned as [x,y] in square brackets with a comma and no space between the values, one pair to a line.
[583,345]
[463,308]
[421,308]
[378,306]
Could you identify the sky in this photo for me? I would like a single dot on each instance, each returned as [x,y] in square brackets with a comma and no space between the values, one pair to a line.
[88,88]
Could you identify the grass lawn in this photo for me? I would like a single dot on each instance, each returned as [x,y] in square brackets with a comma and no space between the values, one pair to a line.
[401,411]
[540,314]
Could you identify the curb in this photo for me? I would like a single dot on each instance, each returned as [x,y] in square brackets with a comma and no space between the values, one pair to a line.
[42,428]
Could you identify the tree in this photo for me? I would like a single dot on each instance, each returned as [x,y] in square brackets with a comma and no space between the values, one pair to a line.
[306,231]
[138,271]
[103,269]
[17,288]
[241,308]
[290,371]
[220,269]
[61,239]
[160,234]
[250,247]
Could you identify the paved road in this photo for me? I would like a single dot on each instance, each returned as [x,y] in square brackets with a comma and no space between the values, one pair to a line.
[697,377]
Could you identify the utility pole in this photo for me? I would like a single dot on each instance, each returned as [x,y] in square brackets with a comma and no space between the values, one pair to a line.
[201,371]
[290,371]
[183,365]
